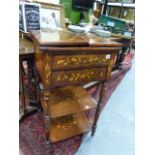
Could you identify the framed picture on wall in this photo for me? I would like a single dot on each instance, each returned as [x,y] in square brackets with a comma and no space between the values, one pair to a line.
[51,15]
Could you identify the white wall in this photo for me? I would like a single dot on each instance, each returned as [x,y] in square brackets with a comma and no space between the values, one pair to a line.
[51,1]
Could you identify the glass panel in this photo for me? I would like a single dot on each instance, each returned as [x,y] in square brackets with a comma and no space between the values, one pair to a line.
[115,11]
[128,14]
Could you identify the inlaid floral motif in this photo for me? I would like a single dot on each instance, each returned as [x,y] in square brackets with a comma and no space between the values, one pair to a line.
[78,76]
[85,60]
[47,70]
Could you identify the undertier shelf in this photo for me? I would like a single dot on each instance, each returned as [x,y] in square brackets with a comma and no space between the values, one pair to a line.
[68,126]
[69,100]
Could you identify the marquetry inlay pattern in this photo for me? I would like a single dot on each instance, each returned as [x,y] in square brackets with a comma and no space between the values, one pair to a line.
[79,76]
[80,60]
[65,122]
[62,96]
[47,70]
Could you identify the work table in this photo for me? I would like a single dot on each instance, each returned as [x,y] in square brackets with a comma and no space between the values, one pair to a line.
[65,61]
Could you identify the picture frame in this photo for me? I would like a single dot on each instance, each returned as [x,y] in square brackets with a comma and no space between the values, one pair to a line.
[21,18]
[29,17]
[32,16]
[51,15]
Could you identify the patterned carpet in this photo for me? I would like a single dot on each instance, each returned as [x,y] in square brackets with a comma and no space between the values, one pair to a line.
[32,140]
[31,131]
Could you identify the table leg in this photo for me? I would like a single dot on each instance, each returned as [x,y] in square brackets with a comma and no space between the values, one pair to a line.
[98,109]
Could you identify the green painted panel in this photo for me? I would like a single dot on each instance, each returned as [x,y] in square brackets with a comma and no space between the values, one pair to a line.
[117,22]
[73,14]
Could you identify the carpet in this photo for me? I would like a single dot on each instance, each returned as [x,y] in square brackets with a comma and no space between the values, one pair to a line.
[31,131]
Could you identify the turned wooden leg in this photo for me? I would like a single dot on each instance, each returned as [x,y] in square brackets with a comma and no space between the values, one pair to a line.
[47,126]
[98,109]
[47,118]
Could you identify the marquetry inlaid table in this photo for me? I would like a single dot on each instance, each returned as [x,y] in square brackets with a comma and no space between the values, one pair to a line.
[66,61]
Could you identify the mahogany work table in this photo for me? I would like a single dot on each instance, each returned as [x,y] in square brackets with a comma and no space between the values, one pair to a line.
[65,61]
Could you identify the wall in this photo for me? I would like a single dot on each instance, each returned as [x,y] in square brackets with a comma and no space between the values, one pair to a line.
[51,1]
[73,14]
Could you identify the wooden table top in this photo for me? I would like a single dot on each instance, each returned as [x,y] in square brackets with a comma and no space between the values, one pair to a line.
[66,38]
[25,47]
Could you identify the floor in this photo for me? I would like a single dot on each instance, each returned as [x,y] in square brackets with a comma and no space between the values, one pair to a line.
[115,131]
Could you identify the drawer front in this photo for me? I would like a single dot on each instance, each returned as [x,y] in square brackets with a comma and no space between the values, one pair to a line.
[62,78]
[81,61]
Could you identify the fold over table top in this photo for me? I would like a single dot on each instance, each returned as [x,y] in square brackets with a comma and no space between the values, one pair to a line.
[66,38]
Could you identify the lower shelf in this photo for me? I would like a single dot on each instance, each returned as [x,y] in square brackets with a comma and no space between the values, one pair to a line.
[68,126]
[68,100]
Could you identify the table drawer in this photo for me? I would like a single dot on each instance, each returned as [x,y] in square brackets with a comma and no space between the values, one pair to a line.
[62,78]
[81,61]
